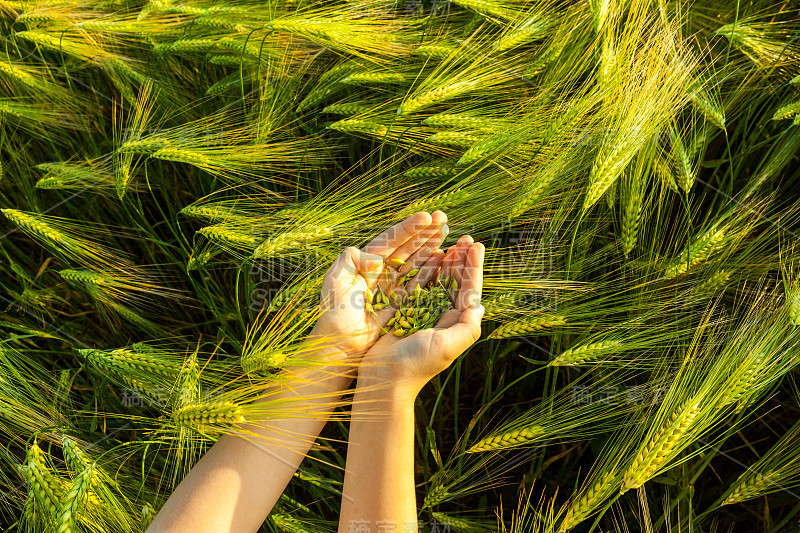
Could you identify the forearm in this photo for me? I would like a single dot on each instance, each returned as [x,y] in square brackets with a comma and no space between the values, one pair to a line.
[379,473]
[237,482]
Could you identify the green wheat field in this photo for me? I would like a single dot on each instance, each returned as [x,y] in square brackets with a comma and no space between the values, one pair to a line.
[177,176]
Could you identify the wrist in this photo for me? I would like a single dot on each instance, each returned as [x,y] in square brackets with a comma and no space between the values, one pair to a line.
[373,385]
[326,348]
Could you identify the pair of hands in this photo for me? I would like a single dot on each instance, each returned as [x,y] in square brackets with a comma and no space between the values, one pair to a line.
[405,363]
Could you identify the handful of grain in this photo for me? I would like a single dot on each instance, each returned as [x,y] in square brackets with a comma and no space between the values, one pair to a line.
[421,308]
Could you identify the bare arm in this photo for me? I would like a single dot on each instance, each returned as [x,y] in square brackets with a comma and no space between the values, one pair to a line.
[379,474]
[237,482]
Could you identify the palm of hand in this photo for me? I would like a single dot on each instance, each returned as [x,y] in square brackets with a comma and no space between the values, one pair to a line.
[346,322]
[412,361]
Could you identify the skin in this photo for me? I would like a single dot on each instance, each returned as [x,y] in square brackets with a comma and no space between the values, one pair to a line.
[379,473]
[237,482]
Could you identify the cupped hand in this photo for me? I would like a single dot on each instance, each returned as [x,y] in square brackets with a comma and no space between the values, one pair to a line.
[405,365]
[346,322]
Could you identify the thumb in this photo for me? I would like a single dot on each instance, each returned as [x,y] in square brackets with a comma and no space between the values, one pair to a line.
[351,264]
[463,334]
[367,265]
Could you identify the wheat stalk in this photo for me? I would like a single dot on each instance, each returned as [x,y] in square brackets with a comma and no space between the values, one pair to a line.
[286,523]
[290,241]
[499,304]
[179,155]
[42,483]
[187,45]
[137,358]
[148,514]
[445,200]
[581,508]
[201,414]
[631,213]
[435,496]
[660,448]
[530,196]
[683,162]
[527,326]
[435,50]
[712,285]
[747,488]
[23,76]
[457,139]
[348,108]
[663,170]
[328,85]
[232,61]
[361,78]
[696,253]
[69,175]
[461,120]
[522,33]
[793,305]
[36,225]
[427,173]
[436,95]
[711,109]
[76,459]
[200,258]
[748,373]
[360,126]
[755,42]
[230,235]
[584,353]
[461,525]
[488,8]
[263,362]
[789,110]
[217,212]
[508,439]
[152,143]
[74,500]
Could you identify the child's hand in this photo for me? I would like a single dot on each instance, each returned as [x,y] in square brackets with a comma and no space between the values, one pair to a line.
[405,365]
[345,322]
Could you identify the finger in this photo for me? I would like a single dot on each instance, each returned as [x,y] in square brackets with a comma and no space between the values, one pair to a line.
[371,267]
[460,258]
[449,318]
[447,262]
[471,284]
[413,244]
[463,334]
[421,256]
[351,272]
[426,272]
[388,241]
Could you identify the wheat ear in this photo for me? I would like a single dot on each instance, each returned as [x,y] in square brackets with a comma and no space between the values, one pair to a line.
[527,326]
[74,500]
[749,488]
[581,508]
[583,353]
[507,439]
[201,414]
[661,446]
